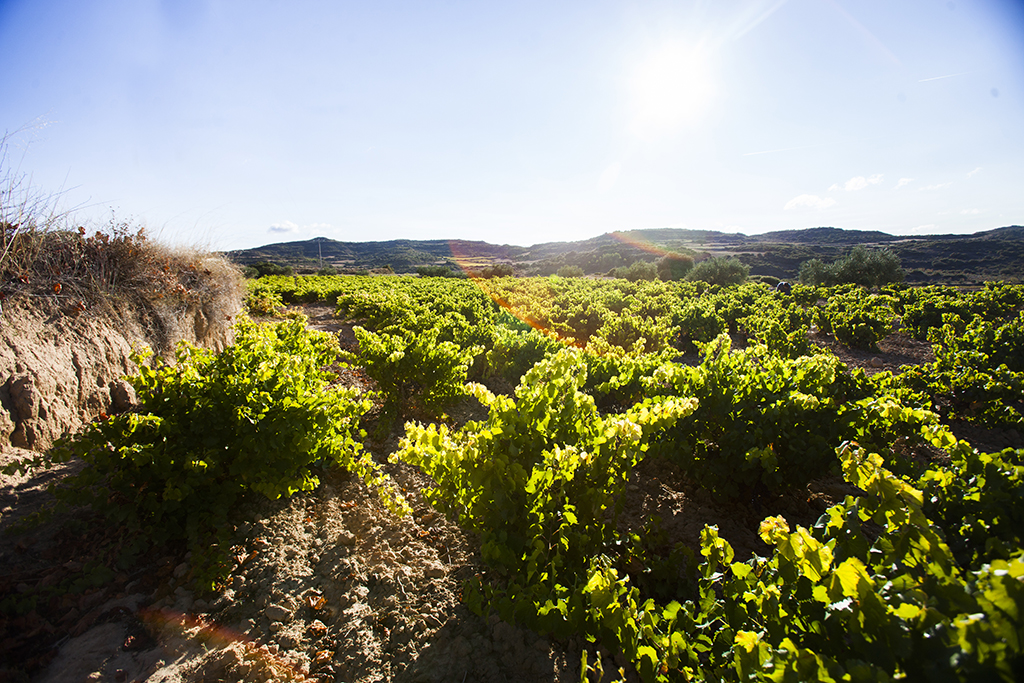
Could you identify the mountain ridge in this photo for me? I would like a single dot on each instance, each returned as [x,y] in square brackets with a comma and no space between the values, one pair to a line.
[996,254]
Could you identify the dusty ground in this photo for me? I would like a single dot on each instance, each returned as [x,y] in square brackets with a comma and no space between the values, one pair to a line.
[326,586]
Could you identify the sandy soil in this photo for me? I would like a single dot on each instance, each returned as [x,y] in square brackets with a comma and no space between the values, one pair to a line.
[326,586]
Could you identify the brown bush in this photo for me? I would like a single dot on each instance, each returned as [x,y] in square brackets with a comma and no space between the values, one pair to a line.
[114,267]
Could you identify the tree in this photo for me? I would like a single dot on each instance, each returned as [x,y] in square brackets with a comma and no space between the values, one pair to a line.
[638,270]
[674,266]
[438,271]
[570,271]
[719,271]
[268,268]
[498,270]
[868,268]
[814,272]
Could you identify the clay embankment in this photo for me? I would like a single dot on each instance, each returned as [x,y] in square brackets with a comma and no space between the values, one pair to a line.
[60,369]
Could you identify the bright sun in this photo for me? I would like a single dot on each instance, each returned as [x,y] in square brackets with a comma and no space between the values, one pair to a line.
[670,89]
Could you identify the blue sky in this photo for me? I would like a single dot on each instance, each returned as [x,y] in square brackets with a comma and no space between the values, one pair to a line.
[235,124]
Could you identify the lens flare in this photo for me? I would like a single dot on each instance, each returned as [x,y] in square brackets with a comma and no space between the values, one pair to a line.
[474,265]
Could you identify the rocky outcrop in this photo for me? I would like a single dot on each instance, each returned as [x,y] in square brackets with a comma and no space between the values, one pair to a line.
[59,370]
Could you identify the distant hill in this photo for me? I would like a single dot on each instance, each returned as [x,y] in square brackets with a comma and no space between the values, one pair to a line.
[954,259]
[828,236]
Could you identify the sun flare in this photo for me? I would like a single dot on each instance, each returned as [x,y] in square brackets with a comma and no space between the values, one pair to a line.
[670,89]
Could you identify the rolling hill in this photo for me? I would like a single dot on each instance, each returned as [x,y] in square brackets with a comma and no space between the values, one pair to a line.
[954,259]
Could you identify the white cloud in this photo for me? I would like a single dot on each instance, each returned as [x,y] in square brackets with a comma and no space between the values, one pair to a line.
[833,187]
[319,226]
[967,212]
[936,187]
[285,227]
[924,228]
[860,182]
[978,169]
[811,200]
[903,183]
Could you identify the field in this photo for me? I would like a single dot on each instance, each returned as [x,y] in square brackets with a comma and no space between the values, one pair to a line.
[662,480]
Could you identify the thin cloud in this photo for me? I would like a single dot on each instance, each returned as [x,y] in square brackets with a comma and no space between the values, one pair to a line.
[285,227]
[860,182]
[924,228]
[938,78]
[903,183]
[968,212]
[935,187]
[809,200]
[974,172]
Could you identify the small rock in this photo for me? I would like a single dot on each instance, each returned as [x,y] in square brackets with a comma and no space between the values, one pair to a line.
[122,396]
[229,659]
[433,570]
[276,626]
[237,582]
[277,613]
[182,592]
[289,640]
[317,629]
[875,362]
[183,604]
[200,606]
[346,538]
[181,570]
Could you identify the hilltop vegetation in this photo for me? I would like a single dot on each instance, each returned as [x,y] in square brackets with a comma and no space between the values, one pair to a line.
[928,259]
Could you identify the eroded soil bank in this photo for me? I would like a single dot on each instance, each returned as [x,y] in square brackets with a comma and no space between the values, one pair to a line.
[61,367]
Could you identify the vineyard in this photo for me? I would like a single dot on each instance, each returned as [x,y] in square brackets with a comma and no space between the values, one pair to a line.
[580,388]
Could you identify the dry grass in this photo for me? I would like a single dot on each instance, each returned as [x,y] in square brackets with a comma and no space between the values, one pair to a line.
[44,255]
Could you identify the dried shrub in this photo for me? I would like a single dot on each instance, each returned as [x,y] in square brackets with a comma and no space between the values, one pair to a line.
[113,267]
